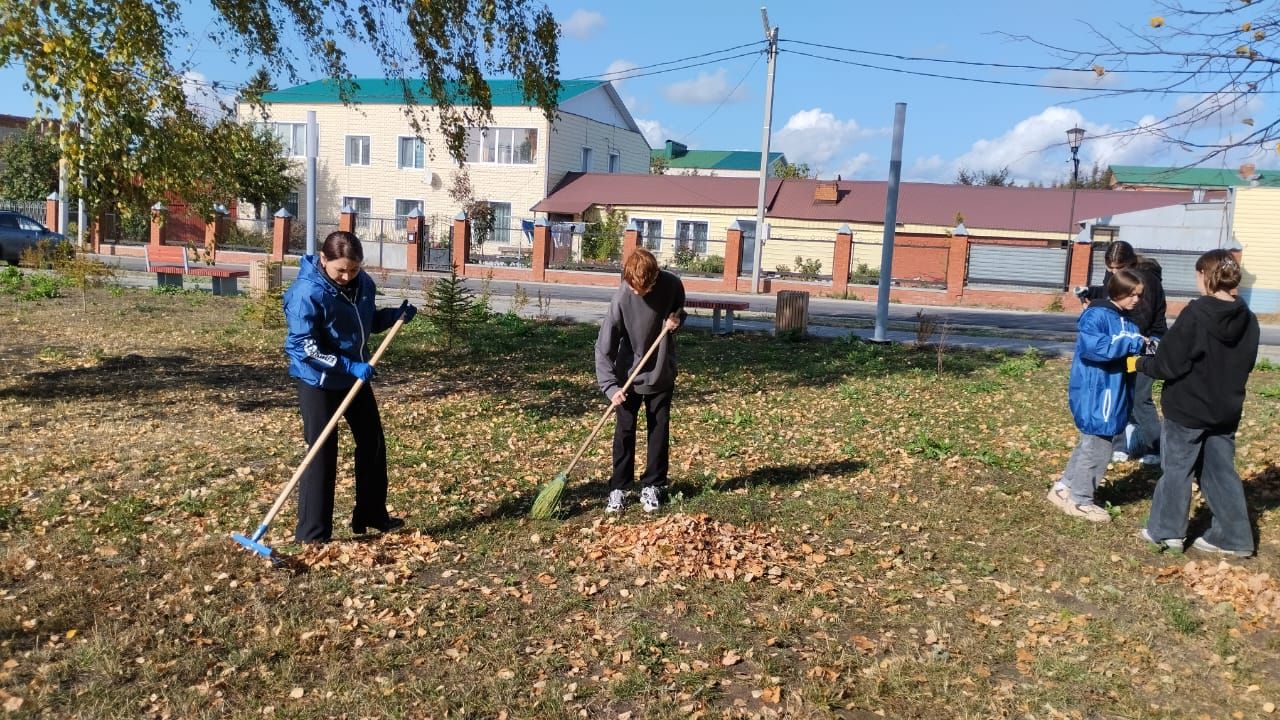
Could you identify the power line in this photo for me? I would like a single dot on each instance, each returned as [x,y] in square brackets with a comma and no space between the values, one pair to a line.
[602,76]
[1102,92]
[1010,66]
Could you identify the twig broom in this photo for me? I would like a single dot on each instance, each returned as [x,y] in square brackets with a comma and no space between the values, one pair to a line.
[548,500]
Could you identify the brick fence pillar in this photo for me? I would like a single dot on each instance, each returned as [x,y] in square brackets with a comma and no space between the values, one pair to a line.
[95,235]
[541,249]
[1081,254]
[630,240]
[280,232]
[158,224]
[732,256]
[957,262]
[213,233]
[461,242]
[51,212]
[347,219]
[840,259]
[413,227]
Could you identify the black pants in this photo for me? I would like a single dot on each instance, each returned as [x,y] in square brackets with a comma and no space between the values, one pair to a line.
[657,417]
[316,486]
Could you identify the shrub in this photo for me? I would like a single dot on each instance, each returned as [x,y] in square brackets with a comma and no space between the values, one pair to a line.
[864,274]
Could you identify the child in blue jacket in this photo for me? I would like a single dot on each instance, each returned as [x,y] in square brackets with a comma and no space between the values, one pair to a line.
[1100,393]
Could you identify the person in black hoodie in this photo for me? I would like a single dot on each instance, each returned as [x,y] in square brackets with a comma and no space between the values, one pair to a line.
[1149,316]
[1205,361]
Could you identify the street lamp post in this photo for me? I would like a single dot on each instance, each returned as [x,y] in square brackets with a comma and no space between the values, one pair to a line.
[1074,137]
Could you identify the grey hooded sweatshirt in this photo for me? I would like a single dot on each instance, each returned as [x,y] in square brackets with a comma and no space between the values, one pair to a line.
[626,333]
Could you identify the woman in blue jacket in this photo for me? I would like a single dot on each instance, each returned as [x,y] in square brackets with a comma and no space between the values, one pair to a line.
[330,314]
[1099,393]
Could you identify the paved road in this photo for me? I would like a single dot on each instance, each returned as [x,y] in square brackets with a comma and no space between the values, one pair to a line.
[1052,333]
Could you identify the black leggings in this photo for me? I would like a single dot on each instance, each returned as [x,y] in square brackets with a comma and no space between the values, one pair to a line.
[657,415]
[316,486]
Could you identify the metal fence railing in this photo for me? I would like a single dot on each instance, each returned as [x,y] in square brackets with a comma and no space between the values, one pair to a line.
[585,247]
[436,253]
[506,245]
[33,209]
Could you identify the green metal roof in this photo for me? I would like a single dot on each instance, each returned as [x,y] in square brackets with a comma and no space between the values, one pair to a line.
[389,91]
[1193,177]
[716,159]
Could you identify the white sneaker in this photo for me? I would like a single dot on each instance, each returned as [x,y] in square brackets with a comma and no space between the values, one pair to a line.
[649,499]
[1119,456]
[1170,543]
[1205,546]
[1151,459]
[617,501]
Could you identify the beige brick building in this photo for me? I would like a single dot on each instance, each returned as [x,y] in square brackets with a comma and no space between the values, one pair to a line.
[368,157]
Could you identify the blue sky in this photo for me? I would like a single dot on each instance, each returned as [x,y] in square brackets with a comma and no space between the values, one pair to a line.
[837,117]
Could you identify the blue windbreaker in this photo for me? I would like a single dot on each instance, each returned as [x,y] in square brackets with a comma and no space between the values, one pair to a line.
[328,331]
[1100,391]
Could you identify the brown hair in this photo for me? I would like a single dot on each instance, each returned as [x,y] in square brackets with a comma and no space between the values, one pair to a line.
[640,271]
[1122,284]
[342,244]
[1120,254]
[1221,270]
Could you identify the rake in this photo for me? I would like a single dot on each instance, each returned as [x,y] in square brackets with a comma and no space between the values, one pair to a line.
[254,542]
[548,500]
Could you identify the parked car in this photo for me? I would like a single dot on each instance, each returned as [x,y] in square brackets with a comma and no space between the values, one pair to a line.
[19,232]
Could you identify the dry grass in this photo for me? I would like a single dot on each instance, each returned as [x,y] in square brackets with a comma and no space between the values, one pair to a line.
[900,554]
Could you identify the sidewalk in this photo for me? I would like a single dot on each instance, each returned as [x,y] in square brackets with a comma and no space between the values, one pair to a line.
[1051,334]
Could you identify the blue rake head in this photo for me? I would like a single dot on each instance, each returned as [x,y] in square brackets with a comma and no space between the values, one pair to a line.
[253,542]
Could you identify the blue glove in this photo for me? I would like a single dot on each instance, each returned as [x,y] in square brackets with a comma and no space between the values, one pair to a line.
[364,371]
[409,312]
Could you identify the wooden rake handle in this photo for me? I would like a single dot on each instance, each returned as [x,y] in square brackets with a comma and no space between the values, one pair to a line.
[333,422]
[609,411]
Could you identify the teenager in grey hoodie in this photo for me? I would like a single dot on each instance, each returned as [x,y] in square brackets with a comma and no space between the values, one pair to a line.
[647,298]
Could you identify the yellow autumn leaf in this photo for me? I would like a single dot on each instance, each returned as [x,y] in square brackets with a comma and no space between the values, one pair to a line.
[1099,70]
[1248,121]
[1157,21]
[1242,50]
[1259,35]
[71,633]
[1246,27]
[1278,148]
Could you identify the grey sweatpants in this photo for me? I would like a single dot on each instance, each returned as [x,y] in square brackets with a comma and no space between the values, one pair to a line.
[1189,453]
[1086,467]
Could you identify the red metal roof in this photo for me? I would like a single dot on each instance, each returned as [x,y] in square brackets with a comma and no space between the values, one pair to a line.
[994,208]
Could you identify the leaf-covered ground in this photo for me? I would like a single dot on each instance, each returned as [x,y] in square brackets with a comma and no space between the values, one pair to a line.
[852,533]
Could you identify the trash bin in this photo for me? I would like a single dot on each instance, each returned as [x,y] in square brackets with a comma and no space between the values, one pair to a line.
[792,313]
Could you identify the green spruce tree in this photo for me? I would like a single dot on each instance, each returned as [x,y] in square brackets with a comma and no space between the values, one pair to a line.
[452,307]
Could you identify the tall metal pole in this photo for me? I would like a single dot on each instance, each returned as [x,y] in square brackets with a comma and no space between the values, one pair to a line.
[313,147]
[771,37]
[890,224]
[1071,219]
[81,219]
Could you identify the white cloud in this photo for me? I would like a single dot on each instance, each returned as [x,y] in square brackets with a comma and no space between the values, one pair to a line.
[823,142]
[855,166]
[1035,149]
[582,24]
[203,97]
[1223,108]
[654,132]
[705,90]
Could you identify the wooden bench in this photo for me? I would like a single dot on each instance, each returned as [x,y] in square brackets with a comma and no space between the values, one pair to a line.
[728,307]
[170,263]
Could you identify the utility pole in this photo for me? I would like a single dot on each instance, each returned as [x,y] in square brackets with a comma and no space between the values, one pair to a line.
[771,37]
[890,225]
[313,147]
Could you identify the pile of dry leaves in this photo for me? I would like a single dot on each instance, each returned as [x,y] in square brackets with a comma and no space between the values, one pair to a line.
[1254,596]
[397,553]
[688,546]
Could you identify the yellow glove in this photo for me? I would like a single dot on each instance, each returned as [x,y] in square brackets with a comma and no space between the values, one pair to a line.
[1131,364]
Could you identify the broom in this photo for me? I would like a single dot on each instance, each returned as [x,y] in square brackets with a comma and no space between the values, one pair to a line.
[548,500]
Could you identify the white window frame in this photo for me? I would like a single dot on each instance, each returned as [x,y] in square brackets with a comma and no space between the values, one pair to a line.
[368,151]
[290,148]
[676,236]
[490,139]
[657,248]
[419,143]
[615,162]
[362,219]
[588,159]
[401,222]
